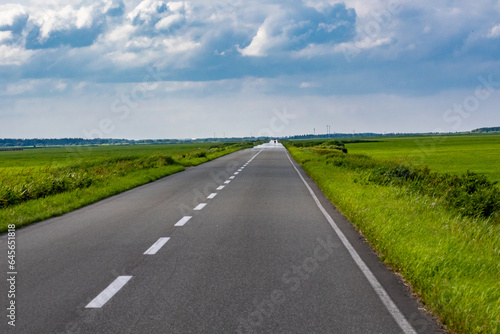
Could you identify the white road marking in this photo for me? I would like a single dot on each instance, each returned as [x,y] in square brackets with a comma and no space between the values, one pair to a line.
[109,292]
[220,187]
[226,182]
[236,173]
[200,206]
[183,220]
[156,246]
[379,289]
[212,195]
[232,177]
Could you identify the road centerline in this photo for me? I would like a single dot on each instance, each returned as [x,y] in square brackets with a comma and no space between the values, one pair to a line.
[109,292]
[156,246]
[183,220]
[200,206]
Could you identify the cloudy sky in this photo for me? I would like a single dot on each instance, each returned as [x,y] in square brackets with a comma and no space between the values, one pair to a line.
[157,69]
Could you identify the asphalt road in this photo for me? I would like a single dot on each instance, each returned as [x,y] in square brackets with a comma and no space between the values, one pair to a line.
[243,244]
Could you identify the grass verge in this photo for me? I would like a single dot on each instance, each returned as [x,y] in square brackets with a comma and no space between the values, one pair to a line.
[451,260]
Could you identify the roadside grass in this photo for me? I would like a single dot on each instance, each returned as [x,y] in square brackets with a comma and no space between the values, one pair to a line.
[45,183]
[452,261]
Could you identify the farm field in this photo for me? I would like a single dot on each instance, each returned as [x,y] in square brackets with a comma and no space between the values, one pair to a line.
[40,183]
[440,232]
[478,153]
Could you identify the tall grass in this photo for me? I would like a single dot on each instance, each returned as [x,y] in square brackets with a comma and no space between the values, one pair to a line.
[451,259]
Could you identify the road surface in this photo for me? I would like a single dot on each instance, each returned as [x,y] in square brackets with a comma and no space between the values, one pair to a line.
[242,244]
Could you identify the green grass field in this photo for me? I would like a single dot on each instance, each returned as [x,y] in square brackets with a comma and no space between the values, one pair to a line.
[448,154]
[40,183]
[451,259]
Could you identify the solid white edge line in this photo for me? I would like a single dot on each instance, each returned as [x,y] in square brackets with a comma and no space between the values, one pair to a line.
[109,292]
[212,195]
[200,206]
[183,220]
[220,187]
[156,246]
[379,289]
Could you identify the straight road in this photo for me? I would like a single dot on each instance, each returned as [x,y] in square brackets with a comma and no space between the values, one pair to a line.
[243,244]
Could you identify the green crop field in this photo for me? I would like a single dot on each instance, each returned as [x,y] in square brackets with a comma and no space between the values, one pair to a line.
[40,183]
[430,208]
[448,154]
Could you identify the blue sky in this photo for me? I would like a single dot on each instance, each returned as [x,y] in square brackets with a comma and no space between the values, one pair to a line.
[159,69]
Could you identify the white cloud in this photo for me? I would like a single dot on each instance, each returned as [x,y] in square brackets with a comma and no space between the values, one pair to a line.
[167,22]
[140,43]
[494,32]
[13,55]
[19,88]
[309,85]
[84,17]
[176,5]
[124,58]
[176,86]
[120,33]
[60,86]
[9,13]
[260,43]
[5,36]
[147,11]
[179,44]
[292,29]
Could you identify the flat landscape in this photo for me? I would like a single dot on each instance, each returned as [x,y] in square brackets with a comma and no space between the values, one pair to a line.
[429,206]
[453,154]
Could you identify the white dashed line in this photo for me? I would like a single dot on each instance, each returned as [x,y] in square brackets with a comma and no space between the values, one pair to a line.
[231,177]
[226,182]
[156,246]
[212,195]
[183,220]
[236,173]
[220,187]
[109,292]
[200,206]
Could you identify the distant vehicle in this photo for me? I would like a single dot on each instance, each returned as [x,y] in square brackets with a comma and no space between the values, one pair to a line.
[275,141]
